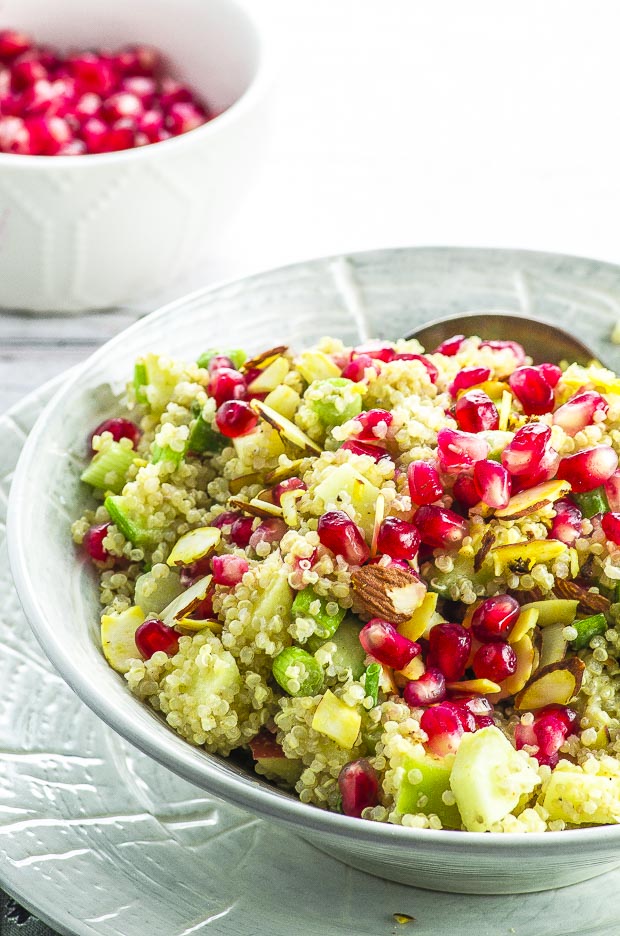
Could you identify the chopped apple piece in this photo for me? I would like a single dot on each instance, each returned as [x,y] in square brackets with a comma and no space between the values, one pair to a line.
[316,365]
[361,492]
[524,556]
[337,720]
[579,797]
[283,400]
[271,377]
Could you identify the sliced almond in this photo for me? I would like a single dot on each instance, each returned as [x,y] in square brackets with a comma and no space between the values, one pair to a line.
[256,507]
[589,602]
[192,625]
[187,602]
[522,557]
[237,484]
[379,515]
[388,592]
[532,499]
[525,622]
[553,611]
[284,472]
[553,645]
[474,686]
[195,545]
[420,620]
[555,684]
[271,377]
[505,408]
[264,359]
[285,427]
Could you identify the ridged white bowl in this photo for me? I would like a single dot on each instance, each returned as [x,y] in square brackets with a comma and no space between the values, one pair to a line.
[384,293]
[91,232]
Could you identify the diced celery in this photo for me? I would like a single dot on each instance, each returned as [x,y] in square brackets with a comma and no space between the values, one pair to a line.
[108,468]
[340,400]
[236,355]
[592,502]
[163,453]
[327,624]
[203,438]
[587,628]
[371,681]
[310,678]
[140,381]
[349,653]
[132,528]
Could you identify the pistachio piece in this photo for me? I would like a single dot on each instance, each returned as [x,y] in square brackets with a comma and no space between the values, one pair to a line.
[285,427]
[262,360]
[533,499]
[522,557]
[555,684]
[195,545]
[188,601]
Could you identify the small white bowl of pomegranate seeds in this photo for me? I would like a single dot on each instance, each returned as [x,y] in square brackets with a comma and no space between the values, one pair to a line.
[128,134]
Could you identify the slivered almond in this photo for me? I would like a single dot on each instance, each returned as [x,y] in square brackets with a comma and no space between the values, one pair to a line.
[188,601]
[256,507]
[475,686]
[533,499]
[262,360]
[195,545]
[589,602]
[193,626]
[555,684]
[525,623]
[553,645]
[388,592]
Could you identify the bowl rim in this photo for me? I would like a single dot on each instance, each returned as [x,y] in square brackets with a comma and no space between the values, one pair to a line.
[255,90]
[194,764]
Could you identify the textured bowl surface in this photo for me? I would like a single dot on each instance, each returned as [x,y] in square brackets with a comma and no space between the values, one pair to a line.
[109,229]
[383,293]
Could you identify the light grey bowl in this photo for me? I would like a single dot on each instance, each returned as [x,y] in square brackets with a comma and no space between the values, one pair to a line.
[384,293]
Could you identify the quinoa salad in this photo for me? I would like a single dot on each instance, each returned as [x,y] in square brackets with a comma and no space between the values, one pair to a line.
[383,578]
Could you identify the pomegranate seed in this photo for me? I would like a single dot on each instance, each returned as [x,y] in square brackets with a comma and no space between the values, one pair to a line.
[13,43]
[469,377]
[122,104]
[449,648]
[431,370]
[580,411]
[265,745]
[475,411]
[141,87]
[94,134]
[241,531]
[91,73]
[494,661]
[183,117]
[548,732]
[88,105]
[518,350]
[450,346]
[480,708]
[611,527]
[365,448]
[532,390]
[15,136]
[228,570]
[547,469]
[424,483]
[153,636]
[151,124]
[612,491]
[219,361]
[338,532]
[566,525]
[443,727]
[225,384]
[398,539]
[459,450]
[589,468]
[173,93]
[524,454]
[466,718]
[291,484]
[381,640]
[48,135]
[93,542]
[551,373]
[492,483]
[121,136]
[187,576]
[374,425]
[377,350]
[356,369]
[427,690]
[494,619]
[465,491]
[137,60]
[440,527]
[26,71]
[119,428]
[359,787]
[235,418]
[269,531]
[227,518]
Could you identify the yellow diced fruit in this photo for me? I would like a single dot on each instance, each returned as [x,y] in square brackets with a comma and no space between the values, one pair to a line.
[284,400]
[316,365]
[553,611]
[526,555]
[195,545]
[420,620]
[414,669]
[474,686]
[525,622]
[337,720]
[271,377]
[579,797]
[118,637]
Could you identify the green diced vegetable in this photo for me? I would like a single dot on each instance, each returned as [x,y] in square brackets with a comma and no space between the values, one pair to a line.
[236,355]
[349,653]
[203,438]
[108,468]
[132,528]
[371,681]
[334,400]
[140,380]
[463,568]
[587,628]
[310,678]
[592,502]
[432,781]
[327,624]
[163,453]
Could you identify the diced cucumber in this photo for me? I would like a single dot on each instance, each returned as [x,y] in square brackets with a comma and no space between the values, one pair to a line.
[349,653]
[427,795]
[236,355]
[587,628]
[593,502]
[108,468]
[134,529]
[327,624]
[204,438]
[163,453]
[309,680]
[334,400]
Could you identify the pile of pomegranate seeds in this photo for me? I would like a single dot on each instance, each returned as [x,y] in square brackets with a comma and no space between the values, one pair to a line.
[85,102]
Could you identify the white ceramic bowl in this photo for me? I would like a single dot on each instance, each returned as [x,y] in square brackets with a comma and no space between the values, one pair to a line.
[384,293]
[91,232]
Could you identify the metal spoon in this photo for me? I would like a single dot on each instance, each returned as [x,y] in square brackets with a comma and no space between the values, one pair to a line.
[541,340]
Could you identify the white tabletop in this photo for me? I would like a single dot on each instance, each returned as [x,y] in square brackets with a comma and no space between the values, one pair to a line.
[403,122]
